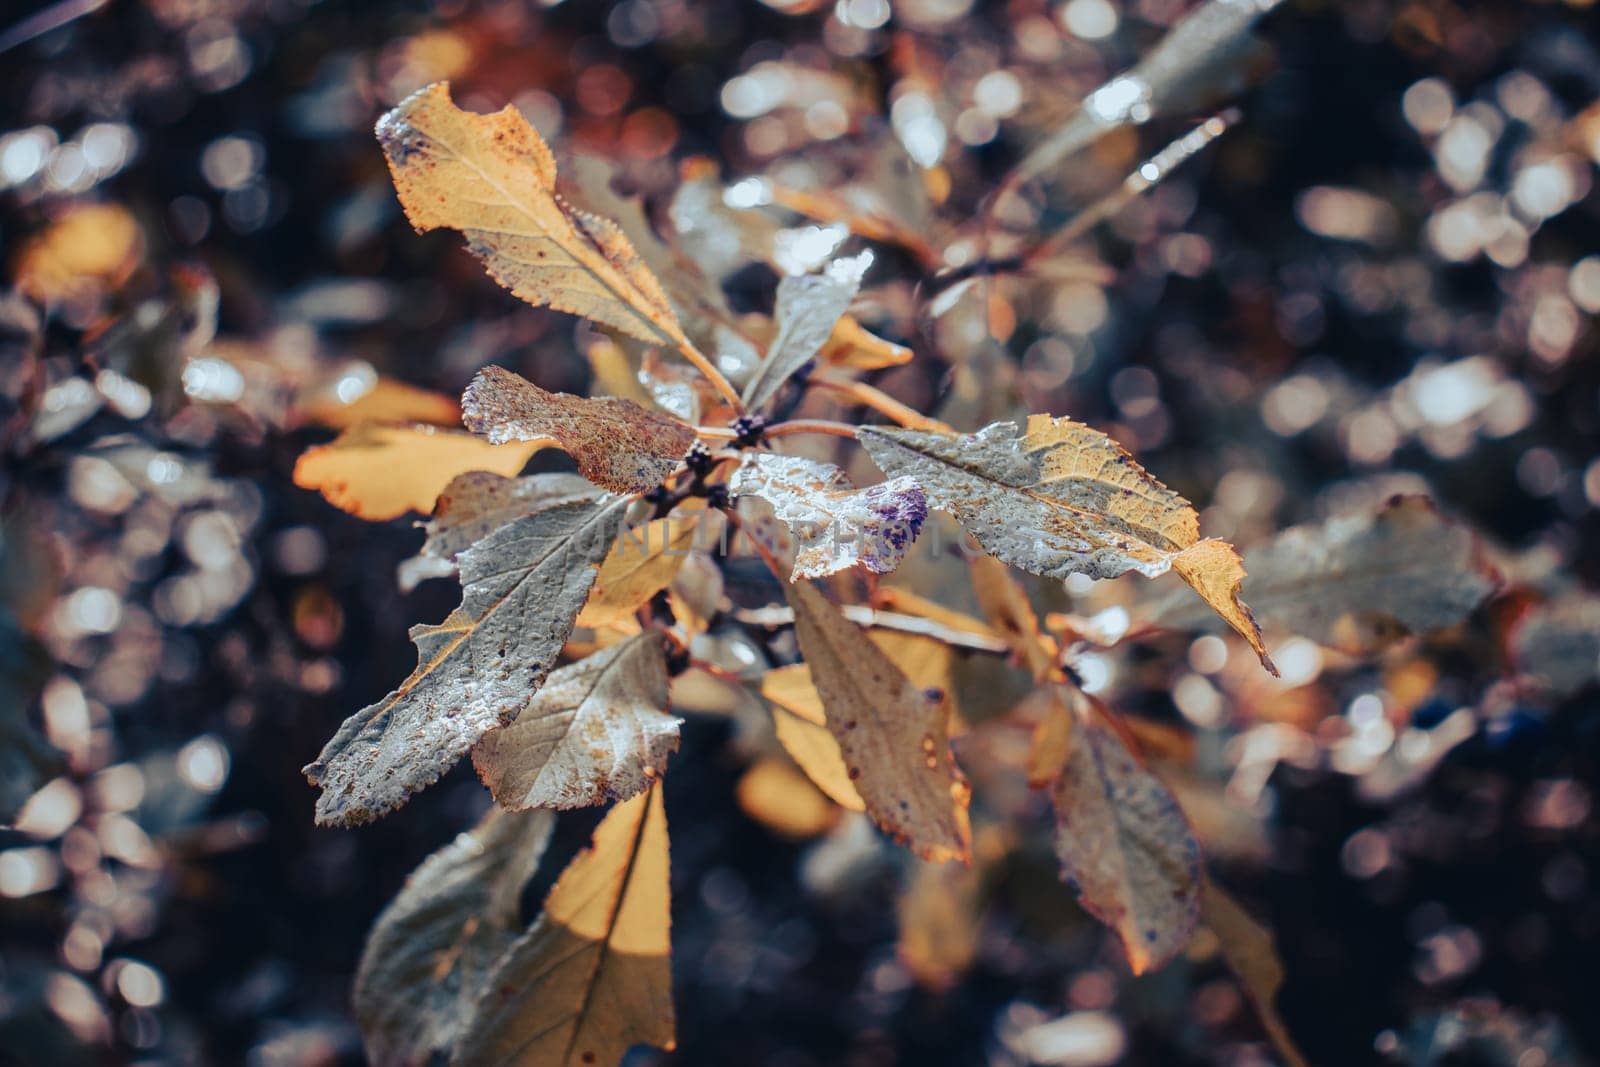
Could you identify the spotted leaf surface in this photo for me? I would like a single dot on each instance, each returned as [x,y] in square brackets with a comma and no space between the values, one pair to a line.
[893,734]
[493,178]
[431,949]
[597,731]
[1057,498]
[522,587]
[593,976]
[835,525]
[1123,841]
[616,443]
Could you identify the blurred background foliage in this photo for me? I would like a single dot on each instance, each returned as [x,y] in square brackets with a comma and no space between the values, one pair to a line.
[1384,277]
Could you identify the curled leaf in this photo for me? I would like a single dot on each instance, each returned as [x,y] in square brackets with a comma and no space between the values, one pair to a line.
[597,731]
[522,587]
[835,525]
[493,178]
[893,735]
[593,976]
[616,443]
[380,472]
[1123,841]
[431,949]
[809,307]
[1059,498]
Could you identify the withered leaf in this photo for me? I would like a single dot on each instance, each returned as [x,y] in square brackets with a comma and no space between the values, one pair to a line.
[522,587]
[617,443]
[476,504]
[597,731]
[431,949]
[641,564]
[802,729]
[1123,841]
[1248,948]
[380,472]
[835,525]
[1060,498]
[893,735]
[1357,582]
[809,306]
[593,976]
[493,178]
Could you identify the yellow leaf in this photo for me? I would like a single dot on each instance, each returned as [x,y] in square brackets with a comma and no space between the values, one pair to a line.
[493,178]
[1052,735]
[379,472]
[893,734]
[802,730]
[853,345]
[1247,947]
[1006,604]
[616,443]
[388,401]
[939,923]
[1057,498]
[783,800]
[593,976]
[89,246]
[642,563]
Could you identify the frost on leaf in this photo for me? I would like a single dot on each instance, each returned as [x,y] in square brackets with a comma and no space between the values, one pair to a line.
[522,587]
[835,525]
[1060,498]
[1123,841]
[493,178]
[597,731]
[380,472]
[431,949]
[1357,582]
[641,564]
[593,976]
[809,305]
[893,735]
[616,443]
[476,504]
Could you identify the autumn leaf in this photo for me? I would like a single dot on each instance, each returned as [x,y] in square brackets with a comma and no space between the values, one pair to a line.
[88,247]
[493,178]
[802,729]
[808,308]
[940,921]
[522,587]
[835,525]
[1060,498]
[853,345]
[380,472]
[1123,841]
[430,951]
[641,564]
[892,734]
[385,401]
[1248,948]
[476,504]
[1357,582]
[597,731]
[784,800]
[617,443]
[593,976]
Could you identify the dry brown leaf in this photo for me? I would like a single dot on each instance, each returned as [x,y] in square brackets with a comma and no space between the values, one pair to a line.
[380,472]
[521,588]
[493,178]
[616,443]
[785,801]
[1247,946]
[598,730]
[88,247]
[641,564]
[802,730]
[1123,841]
[593,976]
[893,734]
[1052,735]
[1059,498]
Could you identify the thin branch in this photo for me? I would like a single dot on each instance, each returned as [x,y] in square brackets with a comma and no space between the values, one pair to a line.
[884,620]
[713,375]
[867,396]
[51,18]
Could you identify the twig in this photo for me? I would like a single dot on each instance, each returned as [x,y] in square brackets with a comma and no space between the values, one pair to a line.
[713,375]
[879,401]
[51,18]
[884,620]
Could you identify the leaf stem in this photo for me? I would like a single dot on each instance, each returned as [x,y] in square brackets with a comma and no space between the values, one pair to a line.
[867,396]
[712,374]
